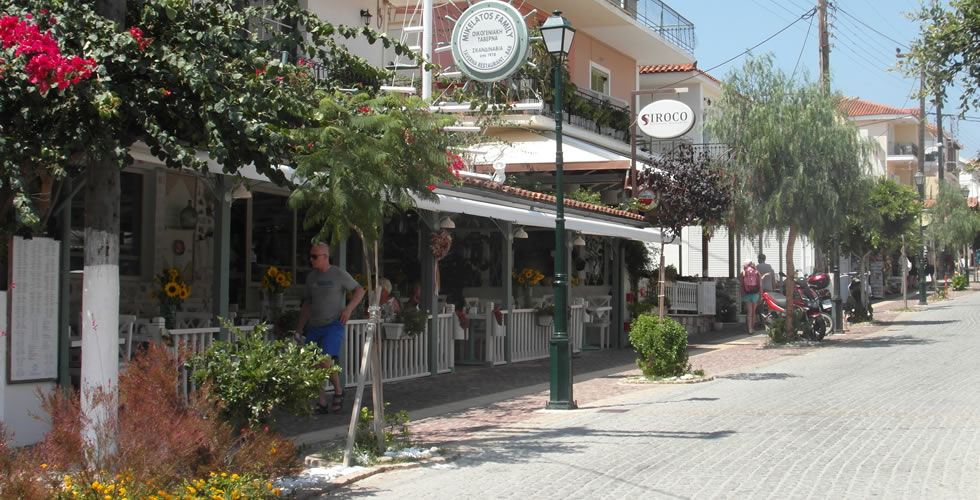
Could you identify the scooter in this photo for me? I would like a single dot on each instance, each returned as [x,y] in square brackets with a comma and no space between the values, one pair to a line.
[806,301]
[860,291]
[820,284]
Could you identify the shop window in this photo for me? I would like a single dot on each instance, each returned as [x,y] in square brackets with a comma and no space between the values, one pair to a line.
[130,226]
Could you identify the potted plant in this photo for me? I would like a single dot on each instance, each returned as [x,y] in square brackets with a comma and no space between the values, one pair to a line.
[407,323]
[545,315]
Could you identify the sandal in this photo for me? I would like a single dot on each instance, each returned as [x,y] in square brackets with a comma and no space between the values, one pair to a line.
[337,404]
[321,409]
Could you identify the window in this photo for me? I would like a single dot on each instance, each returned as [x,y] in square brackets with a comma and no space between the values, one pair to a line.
[130,225]
[599,79]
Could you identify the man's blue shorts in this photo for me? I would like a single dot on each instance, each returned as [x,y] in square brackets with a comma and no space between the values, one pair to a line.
[329,337]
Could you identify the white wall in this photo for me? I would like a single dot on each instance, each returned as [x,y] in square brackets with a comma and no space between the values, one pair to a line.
[18,402]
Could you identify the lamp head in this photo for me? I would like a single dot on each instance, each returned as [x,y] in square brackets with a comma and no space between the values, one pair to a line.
[520,234]
[557,33]
[447,223]
[919,178]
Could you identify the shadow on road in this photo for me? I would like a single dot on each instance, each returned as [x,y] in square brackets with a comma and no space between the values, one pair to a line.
[919,323]
[887,341]
[758,376]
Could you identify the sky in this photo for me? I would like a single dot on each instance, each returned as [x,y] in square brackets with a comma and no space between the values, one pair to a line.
[862,56]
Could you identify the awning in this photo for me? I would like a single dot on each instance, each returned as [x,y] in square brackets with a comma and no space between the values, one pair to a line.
[523,150]
[537,218]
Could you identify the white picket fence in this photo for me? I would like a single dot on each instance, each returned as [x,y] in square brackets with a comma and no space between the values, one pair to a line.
[401,359]
[528,340]
[691,298]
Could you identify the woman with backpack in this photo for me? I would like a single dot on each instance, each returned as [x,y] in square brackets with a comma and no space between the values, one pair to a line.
[751,287]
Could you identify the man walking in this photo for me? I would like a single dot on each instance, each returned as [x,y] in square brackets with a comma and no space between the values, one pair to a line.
[766,273]
[325,315]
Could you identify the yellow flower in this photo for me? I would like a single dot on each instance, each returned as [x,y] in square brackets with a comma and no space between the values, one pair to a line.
[173,273]
[272,271]
[172,289]
[212,474]
[224,474]
[44,466]
[191,489]
[281,280]
[185,291]
[528,272]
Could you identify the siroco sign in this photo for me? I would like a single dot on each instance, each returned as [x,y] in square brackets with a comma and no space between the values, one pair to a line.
[490,41]
[665,119]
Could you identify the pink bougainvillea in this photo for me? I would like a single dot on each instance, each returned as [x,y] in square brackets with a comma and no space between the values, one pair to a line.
[455,163]
[45,66]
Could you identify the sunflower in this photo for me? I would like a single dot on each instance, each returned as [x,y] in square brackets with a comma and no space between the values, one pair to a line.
[282,280]
[272,272]
[173,273]
[185,291]
[528,273]
[172,289]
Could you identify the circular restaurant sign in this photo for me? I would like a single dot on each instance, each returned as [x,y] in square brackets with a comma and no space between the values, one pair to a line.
[665,119]
[490,41]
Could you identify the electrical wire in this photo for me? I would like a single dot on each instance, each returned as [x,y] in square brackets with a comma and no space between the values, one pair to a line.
[806,15]
[805,39]
[862,23]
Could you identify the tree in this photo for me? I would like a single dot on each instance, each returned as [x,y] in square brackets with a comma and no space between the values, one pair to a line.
[952,224]
[181,76]
[795,157]
[688,191]
[948,49]
[883,216]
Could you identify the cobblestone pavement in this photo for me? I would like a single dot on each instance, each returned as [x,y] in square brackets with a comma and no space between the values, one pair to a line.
[884,410]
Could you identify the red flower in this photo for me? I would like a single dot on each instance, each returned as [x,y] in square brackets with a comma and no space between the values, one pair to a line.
[499,316]
[432,187]
[259,71]
[364,109]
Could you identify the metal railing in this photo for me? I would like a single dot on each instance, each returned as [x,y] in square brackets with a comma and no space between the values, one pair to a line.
[714,150]
[662,19]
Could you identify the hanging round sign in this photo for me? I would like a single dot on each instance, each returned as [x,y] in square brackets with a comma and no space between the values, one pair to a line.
[665,119]
[490,41]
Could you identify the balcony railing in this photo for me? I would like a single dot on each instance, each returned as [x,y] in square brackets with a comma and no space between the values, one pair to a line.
[714,150]
[661,19]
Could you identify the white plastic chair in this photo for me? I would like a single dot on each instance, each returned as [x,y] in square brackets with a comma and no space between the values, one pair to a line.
[127,323]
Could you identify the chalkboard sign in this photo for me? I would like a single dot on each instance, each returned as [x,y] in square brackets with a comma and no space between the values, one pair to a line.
[33,310]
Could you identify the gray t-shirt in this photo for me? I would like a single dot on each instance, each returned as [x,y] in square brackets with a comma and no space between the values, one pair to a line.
[768,282]
[326,293]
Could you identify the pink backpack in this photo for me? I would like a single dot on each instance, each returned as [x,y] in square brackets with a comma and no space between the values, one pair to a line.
[751,280]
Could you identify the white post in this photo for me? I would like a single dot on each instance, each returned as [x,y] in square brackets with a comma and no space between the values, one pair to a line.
[426,48]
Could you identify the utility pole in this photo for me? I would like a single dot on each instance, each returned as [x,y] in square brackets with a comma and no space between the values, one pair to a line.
[824,50]
[824,44]
[940,144]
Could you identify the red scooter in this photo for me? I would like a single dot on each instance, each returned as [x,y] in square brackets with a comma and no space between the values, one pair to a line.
[805,300]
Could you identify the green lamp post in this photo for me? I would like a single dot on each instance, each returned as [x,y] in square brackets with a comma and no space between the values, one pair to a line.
[558,34]
[920,180]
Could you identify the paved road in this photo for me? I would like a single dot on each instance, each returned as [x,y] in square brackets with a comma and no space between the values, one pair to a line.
[894,415]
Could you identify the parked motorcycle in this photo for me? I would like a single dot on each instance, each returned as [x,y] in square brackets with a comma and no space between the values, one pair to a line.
[859,291]
[806,301]
[820,284]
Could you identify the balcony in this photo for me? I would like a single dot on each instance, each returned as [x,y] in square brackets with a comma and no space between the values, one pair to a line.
[662,19]
[714,150]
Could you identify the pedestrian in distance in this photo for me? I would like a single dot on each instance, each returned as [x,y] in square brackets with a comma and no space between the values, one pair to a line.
[751,287]
[766,273]
[324,315]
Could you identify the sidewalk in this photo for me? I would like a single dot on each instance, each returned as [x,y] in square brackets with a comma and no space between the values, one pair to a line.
[451,410]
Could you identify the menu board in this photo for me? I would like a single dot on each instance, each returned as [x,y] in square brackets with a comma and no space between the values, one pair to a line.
[877,279]
[33,306]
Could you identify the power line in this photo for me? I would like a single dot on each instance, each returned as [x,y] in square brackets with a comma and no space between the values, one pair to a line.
[862,23]
[805,38]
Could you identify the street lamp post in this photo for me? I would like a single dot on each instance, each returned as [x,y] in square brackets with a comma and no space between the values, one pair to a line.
[920,180]
[558,34]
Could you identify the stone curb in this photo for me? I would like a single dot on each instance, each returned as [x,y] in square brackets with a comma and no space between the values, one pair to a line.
[341,481]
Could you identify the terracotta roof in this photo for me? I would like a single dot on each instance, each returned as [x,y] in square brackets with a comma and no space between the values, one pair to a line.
[855,107]
[547,198]
[675,68]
